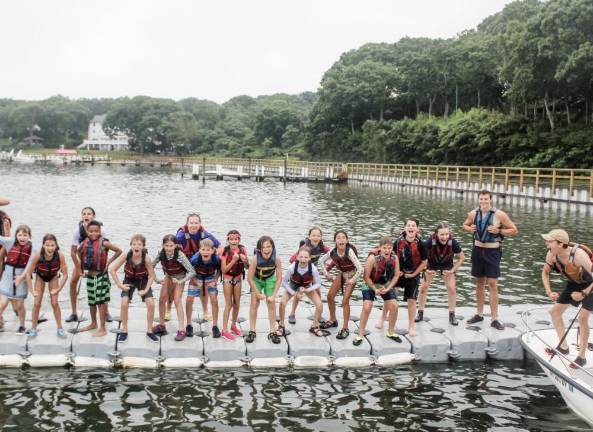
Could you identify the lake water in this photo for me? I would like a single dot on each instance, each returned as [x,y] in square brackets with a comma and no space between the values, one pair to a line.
[461,396]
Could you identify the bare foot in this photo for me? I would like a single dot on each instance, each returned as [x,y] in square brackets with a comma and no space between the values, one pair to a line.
[100,333]
[91,326]
[379,325]
[412,332]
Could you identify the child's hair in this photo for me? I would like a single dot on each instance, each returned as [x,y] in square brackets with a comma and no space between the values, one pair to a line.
[207,243]
[304,249]
[262,240]
[233,232]
[315,228]
[89,208]
[23,228]
[46,238]
[169,238]
[442,225]
[94,223]
[193,214]
[166,239]
[413,220]
[138,237]
[385,240]
[485,192]
[341,232]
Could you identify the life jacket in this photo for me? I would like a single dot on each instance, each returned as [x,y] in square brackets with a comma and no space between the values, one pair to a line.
[439,253]
[316,251]
[408,253]
[18,256]
[344,263]
[265,268]
[48,269]
[172,267]
[384,269]
[298,280]
[481,234]
[93,256]
[191,246]
[239,267]
[571,270]
[205,269]
[83,235]
[136,271]
[3,217]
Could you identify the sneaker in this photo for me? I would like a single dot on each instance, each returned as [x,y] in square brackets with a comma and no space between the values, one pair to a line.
[250,337]
[228,335]
[208,317]
[291,319]
[32,332]
[152,336]
[42,320]
[122,337]
[497,325]
[215,332]
[72,318]
[180,335]
[420,316]
[453,319]
[236,330]
[475,319]
[357,341]
[273,336]
[160,330]
[580,361]
[22,330]
[343,334]
[189,331]
[61,333]
[168,316]
[109,318]
[394,337]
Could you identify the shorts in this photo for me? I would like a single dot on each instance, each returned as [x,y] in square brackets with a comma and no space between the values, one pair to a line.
[370,295]
[265,286]
[439,267]
[571,287]
[292,290]
[97,288]
[346,275]
[486,262]
[233,280]
[136,285]
[14,292]
[196,291]
[410,287]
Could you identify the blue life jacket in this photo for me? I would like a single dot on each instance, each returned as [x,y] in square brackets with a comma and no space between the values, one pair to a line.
[482,224]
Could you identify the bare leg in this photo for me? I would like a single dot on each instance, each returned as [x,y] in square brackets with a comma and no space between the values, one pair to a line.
[214,302]
[316,299]
[53,284]
[271,303]
[346,304]
[189,307]
[331,297]
[367,307]
[451,291]
[227,290]
[236,301]
[480,295]
[40,289]
[556,313]
[179,306]
[428,276]
[163,300]
[584,315]
[204,300]
[493,286]
[102,320]
[149,314]
[74,289]
[125,303]
[93,324]
[295,302]
[20,309]
[392,307]
[253,307]
[282,307]
[411,317]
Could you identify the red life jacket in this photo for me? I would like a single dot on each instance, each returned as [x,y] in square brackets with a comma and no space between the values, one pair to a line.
[439,253]
[136,271]
[384,269]
[46,270]
[18,256]
[172,267]
[344,264]
[191,246]
[408,253]
[298,280]
[239,267]
[92,255]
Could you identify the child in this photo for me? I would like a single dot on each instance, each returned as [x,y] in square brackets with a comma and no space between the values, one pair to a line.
[314,242]
[49,264]
[441,247]
[139,276]
[381,272]
[94,261]
[344,257]
[206,264]
[302,278]
[178,270]
[188,238]
[15,284]
[234,260]
[80,234]
[264,278]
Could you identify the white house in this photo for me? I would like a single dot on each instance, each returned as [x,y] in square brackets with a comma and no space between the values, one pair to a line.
[99,140]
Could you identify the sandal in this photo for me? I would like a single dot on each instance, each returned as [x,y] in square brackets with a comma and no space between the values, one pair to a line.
[551,351]
[316,330]
[273,336]
[281,331]
[328,324]
[343,334]
[250,337]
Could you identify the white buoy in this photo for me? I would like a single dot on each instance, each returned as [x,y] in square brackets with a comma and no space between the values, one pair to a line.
[139,362]
[273,362]
[311,362]
[394,359]
[224,364]
[353,362]
[91,362]
[11,361]
[179,362]
[48,360]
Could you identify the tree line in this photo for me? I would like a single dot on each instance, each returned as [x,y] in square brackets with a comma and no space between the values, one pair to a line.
[517,90]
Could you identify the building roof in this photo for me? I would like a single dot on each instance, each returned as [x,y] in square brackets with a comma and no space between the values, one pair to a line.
[99,118]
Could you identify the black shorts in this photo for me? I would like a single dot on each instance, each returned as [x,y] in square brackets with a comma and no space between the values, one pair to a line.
[571,287]
[486,262]
[410,286]
[439,266]
[136,284]
[369,294]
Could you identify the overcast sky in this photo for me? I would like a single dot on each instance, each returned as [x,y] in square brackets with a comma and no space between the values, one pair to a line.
[207,49]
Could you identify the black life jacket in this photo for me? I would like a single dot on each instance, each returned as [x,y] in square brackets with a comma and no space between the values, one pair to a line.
[439,253]
[136,271]
[47,269]
[298,280]
[172,267]
[408,253]
[344,263]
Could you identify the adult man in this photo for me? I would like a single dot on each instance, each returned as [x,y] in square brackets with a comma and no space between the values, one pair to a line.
[488,225]
[574,262]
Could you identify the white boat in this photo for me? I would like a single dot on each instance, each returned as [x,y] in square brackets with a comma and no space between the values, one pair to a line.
[575,384]
[23,158]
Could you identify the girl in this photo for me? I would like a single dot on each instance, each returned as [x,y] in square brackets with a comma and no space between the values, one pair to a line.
[15,284]
[80,234]
[314,242]
[302,278]
[188,238]
[139,276]
[264,278]
[381,272]
[345,258]
[49,264]
[206,264]
[234,261]
[441,247]
[177,270]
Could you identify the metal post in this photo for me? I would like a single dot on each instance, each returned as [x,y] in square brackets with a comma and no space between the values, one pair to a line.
[204,169]
[285,166]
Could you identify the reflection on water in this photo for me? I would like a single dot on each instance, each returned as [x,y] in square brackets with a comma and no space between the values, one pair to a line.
[495,396]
